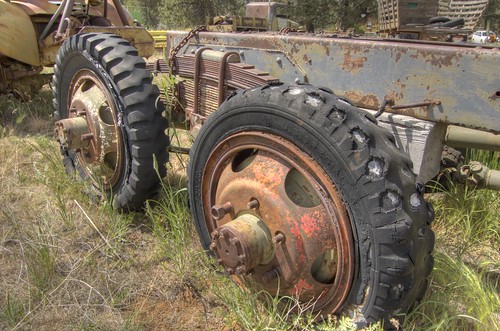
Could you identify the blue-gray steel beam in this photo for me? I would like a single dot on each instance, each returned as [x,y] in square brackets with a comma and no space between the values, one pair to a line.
[460,82]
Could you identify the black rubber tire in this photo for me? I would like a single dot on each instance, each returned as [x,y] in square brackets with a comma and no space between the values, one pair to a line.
[439,19]
[453,23]
[124,72]
[393,240]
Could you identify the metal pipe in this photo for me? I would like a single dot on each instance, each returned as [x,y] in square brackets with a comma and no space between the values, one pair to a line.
[478,175]
[52,20]
[68,7]
[121,12]
[468,138]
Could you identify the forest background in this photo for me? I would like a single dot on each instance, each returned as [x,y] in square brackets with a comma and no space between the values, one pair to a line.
[323,14]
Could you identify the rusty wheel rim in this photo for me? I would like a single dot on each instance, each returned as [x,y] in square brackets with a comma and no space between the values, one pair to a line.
[102,158]
[272,180]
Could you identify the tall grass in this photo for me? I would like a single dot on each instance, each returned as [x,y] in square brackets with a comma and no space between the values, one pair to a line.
[71,263]
[464,287]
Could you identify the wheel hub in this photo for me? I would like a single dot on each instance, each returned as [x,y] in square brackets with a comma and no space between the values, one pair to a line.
[91,129]
[242,244]
[277,220]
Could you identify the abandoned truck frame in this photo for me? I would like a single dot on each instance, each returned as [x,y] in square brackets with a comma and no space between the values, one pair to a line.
[296,189]
[307,173]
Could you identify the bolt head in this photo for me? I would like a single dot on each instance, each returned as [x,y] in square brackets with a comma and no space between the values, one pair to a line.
[223,233]
[241,258]
[240,270]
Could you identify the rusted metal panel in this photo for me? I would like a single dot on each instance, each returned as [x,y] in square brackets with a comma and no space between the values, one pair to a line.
[19,42]
[438,82]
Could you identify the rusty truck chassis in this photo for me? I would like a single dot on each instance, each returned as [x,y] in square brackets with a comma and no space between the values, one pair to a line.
[427,93]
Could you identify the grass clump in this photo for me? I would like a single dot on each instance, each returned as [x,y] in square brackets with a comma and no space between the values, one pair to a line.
[464,285]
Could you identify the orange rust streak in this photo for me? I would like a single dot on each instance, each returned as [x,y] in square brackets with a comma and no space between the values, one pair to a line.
[309,224]
[302,286]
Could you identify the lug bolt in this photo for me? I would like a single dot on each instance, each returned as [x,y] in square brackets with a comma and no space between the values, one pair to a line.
[87,136]
[279,238]
[213,246]
[270,275]
[241,258]
[230,271]
[219,211]
[215,234]
[240,270]
[253,204]
[223,233]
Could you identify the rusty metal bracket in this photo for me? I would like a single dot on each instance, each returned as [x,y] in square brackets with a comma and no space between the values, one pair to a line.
[222,76]
[418,104]
[390,102]
[197,66]
[478,175]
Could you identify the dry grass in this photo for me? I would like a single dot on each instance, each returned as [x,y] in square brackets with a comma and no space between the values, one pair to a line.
[69,263]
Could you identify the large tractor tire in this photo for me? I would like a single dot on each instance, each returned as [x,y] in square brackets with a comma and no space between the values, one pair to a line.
[298,192]
[110,125]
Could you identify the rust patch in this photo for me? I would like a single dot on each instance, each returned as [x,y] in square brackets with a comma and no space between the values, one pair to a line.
[306,234]
[302,286]
[369,101]
[352,63]
[309,224]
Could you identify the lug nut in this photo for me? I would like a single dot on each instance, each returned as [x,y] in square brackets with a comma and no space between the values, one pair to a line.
[219,211]
[270,275]
[279,238]
[87,136]
[240,270]
[241,258]
[222,233]
[253,204]
[230,271]
[213,246]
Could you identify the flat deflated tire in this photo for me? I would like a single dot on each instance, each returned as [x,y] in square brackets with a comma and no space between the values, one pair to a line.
[298,192]
[102,89]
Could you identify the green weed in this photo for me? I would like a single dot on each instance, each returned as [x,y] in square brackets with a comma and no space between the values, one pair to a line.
[40,261]
[170,223]
[13,312]
[459,298]
[26,116]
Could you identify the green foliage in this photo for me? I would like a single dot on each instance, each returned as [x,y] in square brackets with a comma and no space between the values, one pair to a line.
[171,14]
[170,223]
[13,311]
[460,297]
[313,14]
[40,261]
[19,116]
